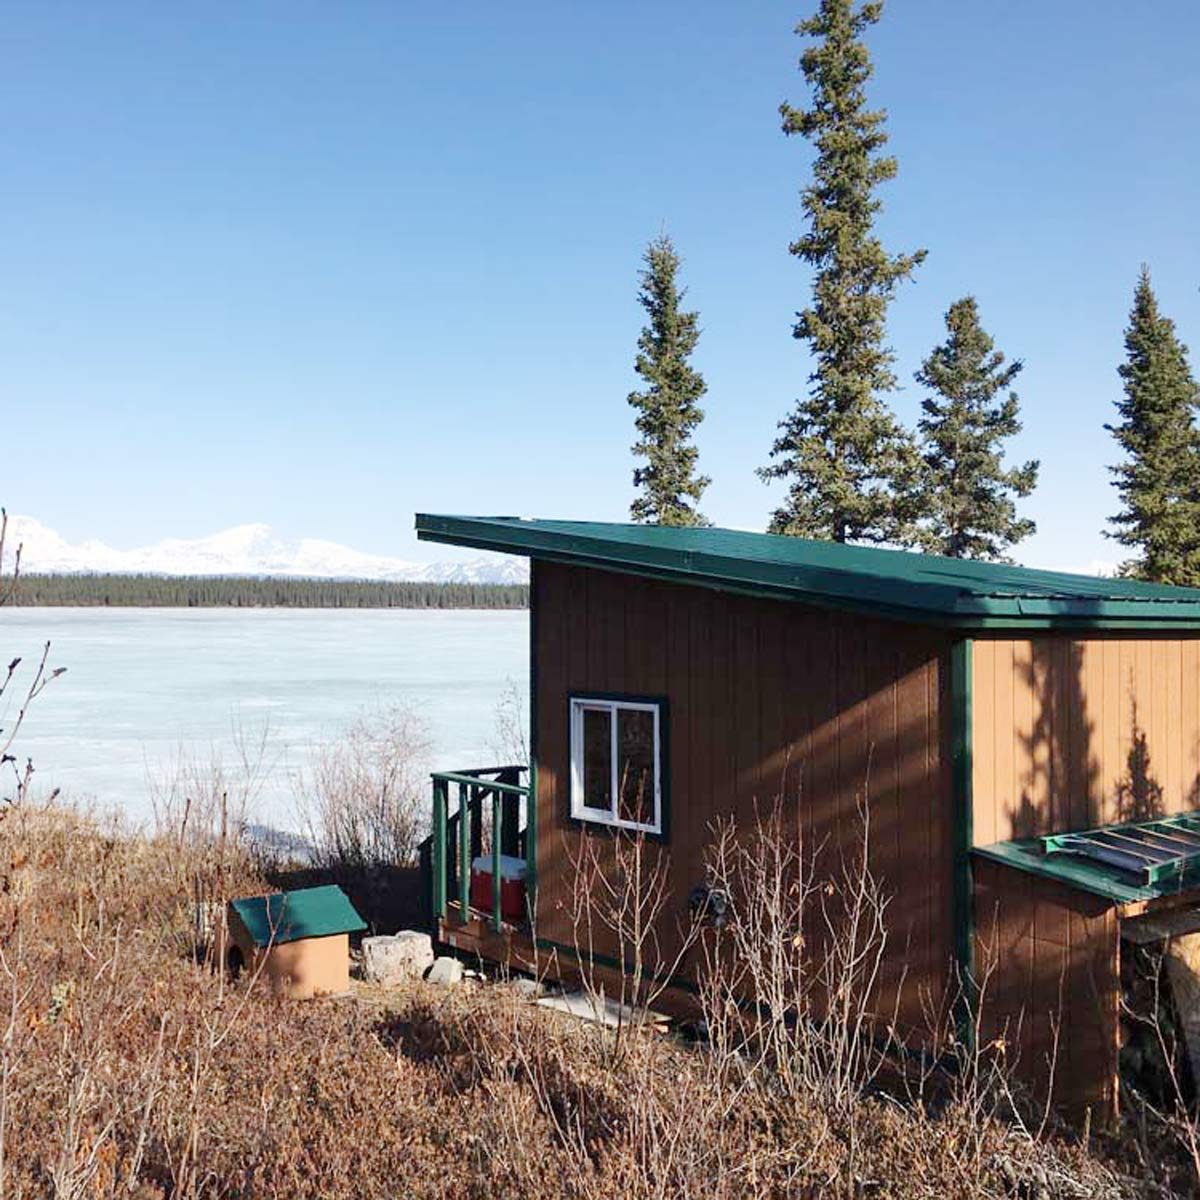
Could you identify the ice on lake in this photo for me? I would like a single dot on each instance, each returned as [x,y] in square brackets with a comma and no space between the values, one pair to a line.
[145,686]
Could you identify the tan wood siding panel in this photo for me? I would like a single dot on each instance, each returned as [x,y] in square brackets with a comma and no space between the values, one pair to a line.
[765,699]
[1070,733]
[1050,961]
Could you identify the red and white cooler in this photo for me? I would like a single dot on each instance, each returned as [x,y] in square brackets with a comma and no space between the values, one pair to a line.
[512,886]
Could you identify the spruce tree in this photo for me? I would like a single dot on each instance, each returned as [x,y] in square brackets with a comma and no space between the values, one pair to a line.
[667,408]
[969,503]
[1159,481]
[850,466]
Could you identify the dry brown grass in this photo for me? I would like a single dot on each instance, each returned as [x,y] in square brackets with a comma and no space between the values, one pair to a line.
[128,1068]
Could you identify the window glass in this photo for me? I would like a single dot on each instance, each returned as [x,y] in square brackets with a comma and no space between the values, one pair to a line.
[597,758]
[635,765]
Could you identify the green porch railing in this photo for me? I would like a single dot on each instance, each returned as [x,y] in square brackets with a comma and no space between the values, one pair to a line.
[457,837]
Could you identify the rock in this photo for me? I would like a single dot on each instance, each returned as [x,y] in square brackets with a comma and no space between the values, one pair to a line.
[396,958]
[446,971]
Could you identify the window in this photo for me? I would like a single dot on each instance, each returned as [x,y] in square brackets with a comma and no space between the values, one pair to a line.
[616,762]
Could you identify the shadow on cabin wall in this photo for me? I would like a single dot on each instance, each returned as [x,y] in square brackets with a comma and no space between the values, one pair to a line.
[1139,793]
[1061,780]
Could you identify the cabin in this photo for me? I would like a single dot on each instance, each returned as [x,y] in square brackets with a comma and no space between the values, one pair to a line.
[298,941]
[1026,743]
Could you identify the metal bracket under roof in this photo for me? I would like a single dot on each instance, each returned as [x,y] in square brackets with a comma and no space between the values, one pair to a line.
[1156,851]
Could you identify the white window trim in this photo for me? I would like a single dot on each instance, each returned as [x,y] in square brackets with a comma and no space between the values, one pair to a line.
[599,816]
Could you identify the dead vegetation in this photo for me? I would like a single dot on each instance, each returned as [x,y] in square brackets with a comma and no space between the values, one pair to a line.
[129,1068]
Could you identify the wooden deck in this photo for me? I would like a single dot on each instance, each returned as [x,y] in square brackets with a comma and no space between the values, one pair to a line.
[513,947]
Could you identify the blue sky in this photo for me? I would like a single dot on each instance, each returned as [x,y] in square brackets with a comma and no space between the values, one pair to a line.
[324,265]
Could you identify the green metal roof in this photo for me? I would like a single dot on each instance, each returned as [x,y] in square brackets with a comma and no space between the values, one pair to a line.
[1126,862]
[895,583]
[290,916]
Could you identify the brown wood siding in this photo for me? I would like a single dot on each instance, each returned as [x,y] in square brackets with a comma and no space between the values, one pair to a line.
[766,699]
[1048,959]
[1070,733]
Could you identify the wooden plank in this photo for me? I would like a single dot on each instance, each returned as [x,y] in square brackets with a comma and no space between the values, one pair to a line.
[822,768]
[744,712]
[1190,723]
[913,866]
[984,739]
[936,788]
[1155,701]
[853,758]
[1092,674]
[1041,771]
[1111,765]
[773,749]
[722,760]
[1173,699]
[1004,800]
[577,631]
[704,723]
[554,621]
[685,838]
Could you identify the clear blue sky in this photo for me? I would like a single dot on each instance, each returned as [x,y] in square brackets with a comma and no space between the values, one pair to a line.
[324,265]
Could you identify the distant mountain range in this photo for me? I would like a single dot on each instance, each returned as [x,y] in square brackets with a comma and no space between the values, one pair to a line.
[250,550]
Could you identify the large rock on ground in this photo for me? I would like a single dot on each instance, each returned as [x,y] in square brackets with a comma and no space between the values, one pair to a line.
[396,957]
[447,971]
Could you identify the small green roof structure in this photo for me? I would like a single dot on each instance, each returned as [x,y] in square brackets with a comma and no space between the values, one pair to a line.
[891,583]
[1126,862]
[291,916]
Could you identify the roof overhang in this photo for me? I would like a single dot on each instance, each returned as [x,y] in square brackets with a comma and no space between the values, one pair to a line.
[907,587]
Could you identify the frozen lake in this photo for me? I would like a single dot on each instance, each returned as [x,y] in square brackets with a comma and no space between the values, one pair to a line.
[145,686]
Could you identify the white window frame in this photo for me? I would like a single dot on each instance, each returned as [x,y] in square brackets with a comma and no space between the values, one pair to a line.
[579,810]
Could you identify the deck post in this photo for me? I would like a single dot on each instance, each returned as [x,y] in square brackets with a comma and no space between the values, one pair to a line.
[440,793]
[497,881]
[531,792]
[464,853]
[511,818]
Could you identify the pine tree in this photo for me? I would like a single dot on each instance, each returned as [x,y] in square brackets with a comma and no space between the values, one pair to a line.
[667,409]
[851,467]
[1159,481]
[969,506]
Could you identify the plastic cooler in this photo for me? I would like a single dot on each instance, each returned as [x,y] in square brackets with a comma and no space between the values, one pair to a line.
[512,886]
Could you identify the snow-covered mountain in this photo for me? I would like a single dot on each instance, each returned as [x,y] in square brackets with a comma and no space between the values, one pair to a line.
[243,550]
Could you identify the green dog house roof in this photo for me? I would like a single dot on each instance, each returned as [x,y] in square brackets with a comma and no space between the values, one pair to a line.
[291,916]
[894,583]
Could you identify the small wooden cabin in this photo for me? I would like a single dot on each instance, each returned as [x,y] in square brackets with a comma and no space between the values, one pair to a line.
[993,708]
[298,941]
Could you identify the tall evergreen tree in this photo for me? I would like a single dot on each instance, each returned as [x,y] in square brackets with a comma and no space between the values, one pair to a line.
[970,510]
[668,410]
[850,466]
[1159,481]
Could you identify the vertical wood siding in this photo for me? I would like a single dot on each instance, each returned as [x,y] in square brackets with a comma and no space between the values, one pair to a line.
[766,699]
[1048,959]
[1071,733]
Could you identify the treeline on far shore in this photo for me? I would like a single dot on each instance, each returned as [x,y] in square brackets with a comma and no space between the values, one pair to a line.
[193,591]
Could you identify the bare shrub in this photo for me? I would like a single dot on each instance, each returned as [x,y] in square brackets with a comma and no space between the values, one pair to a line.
[198,799]
[791,977]
[510,742]
[1157,1085]
[621,909]
[364,801]
[43,675]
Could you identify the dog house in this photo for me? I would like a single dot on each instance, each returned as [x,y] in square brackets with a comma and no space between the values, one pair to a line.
[984,711]
[299,941]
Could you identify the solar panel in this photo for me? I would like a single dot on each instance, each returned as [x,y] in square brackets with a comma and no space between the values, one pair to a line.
[1156,851]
